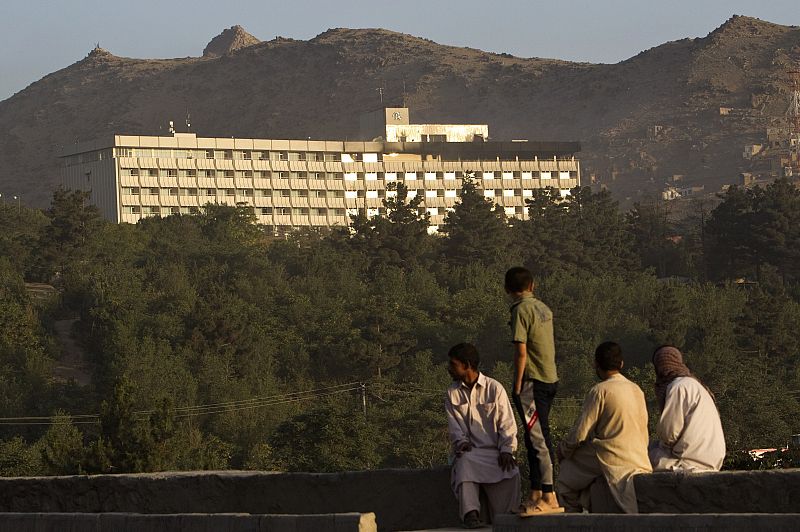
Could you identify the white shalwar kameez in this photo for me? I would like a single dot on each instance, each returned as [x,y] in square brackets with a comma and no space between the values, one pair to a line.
[482,416]
[690,435]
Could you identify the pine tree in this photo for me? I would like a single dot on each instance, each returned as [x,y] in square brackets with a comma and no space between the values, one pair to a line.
[475,230]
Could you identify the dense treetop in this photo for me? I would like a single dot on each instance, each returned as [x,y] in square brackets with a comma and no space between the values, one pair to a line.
[210,344]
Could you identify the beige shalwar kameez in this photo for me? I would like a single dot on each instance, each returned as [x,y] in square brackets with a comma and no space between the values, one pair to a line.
[609,439]
[482,416]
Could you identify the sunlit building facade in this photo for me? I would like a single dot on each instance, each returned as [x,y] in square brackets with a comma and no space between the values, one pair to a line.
[298,183]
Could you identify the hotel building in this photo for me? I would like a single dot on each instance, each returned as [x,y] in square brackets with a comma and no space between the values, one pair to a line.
[297,183]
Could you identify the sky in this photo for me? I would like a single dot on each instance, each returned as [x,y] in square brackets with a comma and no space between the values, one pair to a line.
[44,36]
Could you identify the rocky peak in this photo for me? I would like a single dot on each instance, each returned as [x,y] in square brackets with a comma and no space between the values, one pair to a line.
[740,26]
[230,40]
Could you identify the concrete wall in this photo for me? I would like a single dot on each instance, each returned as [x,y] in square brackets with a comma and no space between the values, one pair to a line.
[61,522]
[774,491]
[400,499]
[649,523]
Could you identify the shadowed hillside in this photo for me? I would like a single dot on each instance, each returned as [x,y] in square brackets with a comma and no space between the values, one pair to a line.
[295,89]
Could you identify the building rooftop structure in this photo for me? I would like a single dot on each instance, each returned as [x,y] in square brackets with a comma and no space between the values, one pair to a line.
[296,183]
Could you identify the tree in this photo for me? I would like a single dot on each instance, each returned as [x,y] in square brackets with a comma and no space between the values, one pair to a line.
[400,238]
[73,222]
[754,227]
[332,436]
[651,228]
[583,230]
[476,230]
[126,434]
[62,450]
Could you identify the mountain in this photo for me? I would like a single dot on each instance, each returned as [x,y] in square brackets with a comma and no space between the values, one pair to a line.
[287,88]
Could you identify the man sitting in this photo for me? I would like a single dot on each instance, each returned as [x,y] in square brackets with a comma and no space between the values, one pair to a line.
[609,439]
[483,435]
[689,431]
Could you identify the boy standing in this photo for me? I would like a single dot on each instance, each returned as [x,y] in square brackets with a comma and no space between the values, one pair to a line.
[535,384]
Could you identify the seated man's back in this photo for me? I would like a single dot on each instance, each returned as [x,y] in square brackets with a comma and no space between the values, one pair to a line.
[689,431]
[608,440]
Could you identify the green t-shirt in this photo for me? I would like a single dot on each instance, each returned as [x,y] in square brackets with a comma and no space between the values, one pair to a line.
[532,324]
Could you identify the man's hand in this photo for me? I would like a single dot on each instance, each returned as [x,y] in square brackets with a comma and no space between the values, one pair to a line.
[506,461]
[463,447]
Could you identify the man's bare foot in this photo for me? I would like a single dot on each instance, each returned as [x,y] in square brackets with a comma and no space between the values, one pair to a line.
[530,503]
[548,500]
[546,504]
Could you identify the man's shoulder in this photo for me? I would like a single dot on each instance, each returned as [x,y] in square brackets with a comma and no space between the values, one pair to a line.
[618,382]
[452,390]
[531,305]
[688,385]
[494,385]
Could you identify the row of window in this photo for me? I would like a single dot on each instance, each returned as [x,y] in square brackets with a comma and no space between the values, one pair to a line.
[299,211]
[264,211]
[245,155]
[316,193]
[361,176]
[248,192]
[171,172]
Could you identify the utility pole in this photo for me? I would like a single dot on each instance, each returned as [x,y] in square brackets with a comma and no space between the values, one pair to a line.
[364,398]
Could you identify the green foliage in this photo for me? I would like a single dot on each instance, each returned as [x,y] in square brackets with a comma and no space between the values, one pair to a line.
[756,227]
[206,341]
[331,436]
[399,238]
[20,228]
[63,243]
[61,447]
[583,231]
[651,228]
[476,230]
[18,459]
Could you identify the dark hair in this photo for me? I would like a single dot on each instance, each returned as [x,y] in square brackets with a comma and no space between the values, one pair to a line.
[608,356]
[466,354]
[518,279]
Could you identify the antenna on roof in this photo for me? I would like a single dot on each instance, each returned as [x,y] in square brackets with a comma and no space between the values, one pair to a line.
[188,121]
[380,92]
[171,127]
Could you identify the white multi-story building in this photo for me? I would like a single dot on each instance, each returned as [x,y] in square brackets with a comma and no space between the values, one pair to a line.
[295,183]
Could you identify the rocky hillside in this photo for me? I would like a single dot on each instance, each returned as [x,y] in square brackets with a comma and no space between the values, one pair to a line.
[294,89]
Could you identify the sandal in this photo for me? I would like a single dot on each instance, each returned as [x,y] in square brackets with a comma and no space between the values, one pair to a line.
[530,509]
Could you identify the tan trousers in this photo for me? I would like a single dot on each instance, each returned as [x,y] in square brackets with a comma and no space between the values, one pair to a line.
[575,477]
[501,497]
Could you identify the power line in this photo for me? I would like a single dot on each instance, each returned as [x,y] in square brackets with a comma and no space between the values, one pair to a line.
[196,410]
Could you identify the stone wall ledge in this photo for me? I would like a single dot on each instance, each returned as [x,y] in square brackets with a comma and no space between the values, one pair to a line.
[127,522]
[401,499]
[649,523]
[773,491]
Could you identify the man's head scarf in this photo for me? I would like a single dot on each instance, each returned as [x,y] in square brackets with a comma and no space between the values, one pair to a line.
[669,365]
